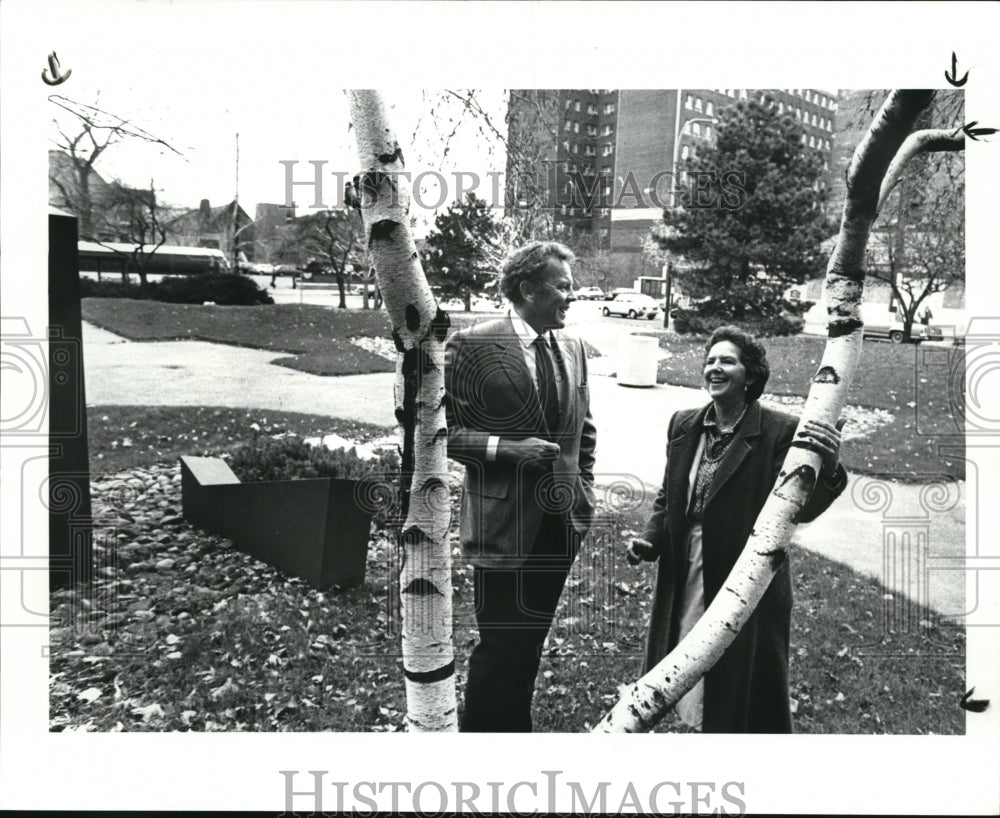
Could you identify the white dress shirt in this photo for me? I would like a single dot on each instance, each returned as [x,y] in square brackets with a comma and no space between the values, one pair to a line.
[526,335]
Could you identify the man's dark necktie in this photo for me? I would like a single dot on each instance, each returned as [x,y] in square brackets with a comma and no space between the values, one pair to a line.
[547,382]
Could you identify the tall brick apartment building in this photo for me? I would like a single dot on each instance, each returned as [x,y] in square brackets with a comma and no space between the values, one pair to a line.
[612,153]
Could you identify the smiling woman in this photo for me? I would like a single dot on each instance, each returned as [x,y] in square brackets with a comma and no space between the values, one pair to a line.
[722,461]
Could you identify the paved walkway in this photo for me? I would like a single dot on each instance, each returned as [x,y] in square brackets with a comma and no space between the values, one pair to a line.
[912,550]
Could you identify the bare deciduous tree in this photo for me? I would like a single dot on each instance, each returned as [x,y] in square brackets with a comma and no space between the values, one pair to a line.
[97,131]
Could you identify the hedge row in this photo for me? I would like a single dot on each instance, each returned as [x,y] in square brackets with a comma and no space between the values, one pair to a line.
[219,288]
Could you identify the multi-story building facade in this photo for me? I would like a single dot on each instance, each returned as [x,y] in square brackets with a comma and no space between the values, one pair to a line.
[617,151]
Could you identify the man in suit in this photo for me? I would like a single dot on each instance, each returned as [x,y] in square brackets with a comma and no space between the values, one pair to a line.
[519,419]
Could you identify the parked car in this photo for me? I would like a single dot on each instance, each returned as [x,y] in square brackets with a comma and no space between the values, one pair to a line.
[256,268]
[894,331]
[590,294]
[632,305]
[617,291]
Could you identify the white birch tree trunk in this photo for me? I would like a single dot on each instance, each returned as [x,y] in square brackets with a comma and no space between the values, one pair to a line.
[647,700]
[419,330]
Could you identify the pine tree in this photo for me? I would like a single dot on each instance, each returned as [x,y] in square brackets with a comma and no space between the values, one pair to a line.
[464,250]
[749,221]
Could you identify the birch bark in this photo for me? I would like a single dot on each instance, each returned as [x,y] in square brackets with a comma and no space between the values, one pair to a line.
[419,330]
[646,701]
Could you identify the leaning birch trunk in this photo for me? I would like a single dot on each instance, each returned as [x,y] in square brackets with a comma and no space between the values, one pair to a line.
[646,701]
[419,330]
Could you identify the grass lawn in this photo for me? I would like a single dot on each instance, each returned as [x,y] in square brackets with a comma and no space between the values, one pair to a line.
[124,437]
[184,633]
[314,338]
[921,386]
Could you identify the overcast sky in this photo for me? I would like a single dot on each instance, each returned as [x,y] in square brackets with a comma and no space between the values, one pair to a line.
[196,77]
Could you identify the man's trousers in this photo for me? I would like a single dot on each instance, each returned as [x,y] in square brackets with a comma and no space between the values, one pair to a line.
[514,611]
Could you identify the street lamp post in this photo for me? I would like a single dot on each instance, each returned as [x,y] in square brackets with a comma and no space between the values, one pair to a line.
[668,269]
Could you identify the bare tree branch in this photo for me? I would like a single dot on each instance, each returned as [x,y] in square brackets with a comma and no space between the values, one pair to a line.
[114,123]
[926,141]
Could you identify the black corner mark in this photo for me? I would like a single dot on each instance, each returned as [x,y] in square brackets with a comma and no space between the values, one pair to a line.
[53,74]
[973,705]
[953,76]
[973,132]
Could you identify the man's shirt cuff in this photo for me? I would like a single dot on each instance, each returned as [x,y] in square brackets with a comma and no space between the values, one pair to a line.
[492,442]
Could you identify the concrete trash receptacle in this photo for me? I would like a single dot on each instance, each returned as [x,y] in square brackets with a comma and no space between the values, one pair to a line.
[637,359]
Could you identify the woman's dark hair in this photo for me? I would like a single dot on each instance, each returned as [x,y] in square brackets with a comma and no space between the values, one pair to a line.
[753,356]
[528,264]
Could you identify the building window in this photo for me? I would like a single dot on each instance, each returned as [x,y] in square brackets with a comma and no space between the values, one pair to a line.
[808,95]
[815,120]
[709,109]
[574,148]
[576,105]
[608,150]
[697,105]
[708,132]
[685,151]
[568,125]
[592,109]
[609,108]
[606,131]
[689,102]
[565,144]
[781,108]
[812,141]
[576,127]
[568,103]
[803,139]
[696,128]
[591,130]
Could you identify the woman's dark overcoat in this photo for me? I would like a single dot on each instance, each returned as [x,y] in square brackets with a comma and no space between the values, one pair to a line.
[747,690]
